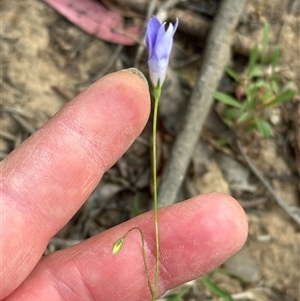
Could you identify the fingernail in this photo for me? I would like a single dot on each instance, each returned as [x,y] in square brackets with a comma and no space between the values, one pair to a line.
[138,73]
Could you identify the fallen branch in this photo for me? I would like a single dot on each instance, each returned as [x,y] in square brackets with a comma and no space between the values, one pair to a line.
[215,58]
[289,210]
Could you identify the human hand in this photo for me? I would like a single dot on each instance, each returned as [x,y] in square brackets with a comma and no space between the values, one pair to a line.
[50,175]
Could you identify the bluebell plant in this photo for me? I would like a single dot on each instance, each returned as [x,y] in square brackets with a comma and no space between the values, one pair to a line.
[159,42]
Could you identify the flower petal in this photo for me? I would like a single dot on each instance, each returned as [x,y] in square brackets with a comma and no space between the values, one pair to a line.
[151,33]
[175,26]
[157,69]
[163,47]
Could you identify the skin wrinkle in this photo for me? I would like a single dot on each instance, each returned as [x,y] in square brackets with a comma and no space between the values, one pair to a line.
[57,285]
[84,285]
[16,181]
[91,166]
[164,269]
[62,288]
[20,256]
[74,261]
[87,147]
[97,278]
[168,275]
[164,273]
[20,244]
[95,144]
[83,151]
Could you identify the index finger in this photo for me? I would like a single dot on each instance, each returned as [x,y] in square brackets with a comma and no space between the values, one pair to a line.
[47,179]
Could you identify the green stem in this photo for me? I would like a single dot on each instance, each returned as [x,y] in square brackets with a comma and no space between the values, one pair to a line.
[119,244]
[157,92]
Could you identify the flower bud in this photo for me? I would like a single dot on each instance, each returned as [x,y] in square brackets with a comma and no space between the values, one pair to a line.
[159,42]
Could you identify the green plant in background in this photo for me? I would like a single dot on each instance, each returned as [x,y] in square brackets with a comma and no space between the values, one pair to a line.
[180,295]
[135,210]
[262,88]
[209,284]
[215,289]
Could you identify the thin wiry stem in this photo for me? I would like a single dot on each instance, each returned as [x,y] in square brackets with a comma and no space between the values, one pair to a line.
[157,92]
[293,214]
[119,244]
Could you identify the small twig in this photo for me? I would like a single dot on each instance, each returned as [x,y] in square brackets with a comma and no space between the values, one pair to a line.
[265,182]
[215,58]
[18,111]
[163,11]
[141,47]
[22,122]
[105,69]
[7,135]
[294,5]
[150,10]
[10,88]
[252,203]
[62,243]
[191,59]
[2,155]
[67,96]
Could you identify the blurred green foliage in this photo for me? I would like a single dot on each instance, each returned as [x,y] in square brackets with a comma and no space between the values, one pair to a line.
[259,89]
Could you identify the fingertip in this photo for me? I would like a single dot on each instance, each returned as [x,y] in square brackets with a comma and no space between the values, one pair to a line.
[209,229]
[230,210]
[138,73]
[225,220]
[134,87]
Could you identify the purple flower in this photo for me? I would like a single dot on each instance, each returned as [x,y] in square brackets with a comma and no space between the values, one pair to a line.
[159,42]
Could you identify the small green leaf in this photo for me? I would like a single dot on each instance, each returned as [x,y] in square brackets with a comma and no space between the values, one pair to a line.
[283,97]
[263,127]
[228,100]
[232,113]
[232,74]
[256,91]
[136,210]
[244,117]
[179,296]
[252,59]
[118,245]
[262,84]
[222,141]
[267,96]
[216,289]
[255,72]
[275,58]
[265,41]
[275,86]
